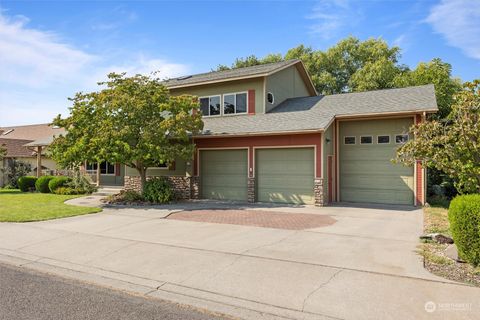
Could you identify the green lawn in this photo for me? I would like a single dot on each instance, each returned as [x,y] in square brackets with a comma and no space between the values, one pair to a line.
[16,206]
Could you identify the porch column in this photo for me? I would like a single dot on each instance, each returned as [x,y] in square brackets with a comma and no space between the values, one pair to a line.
[39,161]
[98,174]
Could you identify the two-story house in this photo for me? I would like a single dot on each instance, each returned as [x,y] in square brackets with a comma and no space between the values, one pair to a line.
[269,137]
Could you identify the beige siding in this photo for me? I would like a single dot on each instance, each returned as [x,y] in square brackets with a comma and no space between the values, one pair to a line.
[180,170]
[285,84]
[227,87]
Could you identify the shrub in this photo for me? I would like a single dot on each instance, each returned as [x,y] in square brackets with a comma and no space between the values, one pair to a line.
[158,190]
[81,183]
[57,182]
[42,184]
[464,217]
[131,196]
[65,191]
[26,183]
[14,170]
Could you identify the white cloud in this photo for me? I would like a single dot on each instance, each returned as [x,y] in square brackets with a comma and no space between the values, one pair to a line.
[40,70]
[459,22]
[36,58]
[330,16]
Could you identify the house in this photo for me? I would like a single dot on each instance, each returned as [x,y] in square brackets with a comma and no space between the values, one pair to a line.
[29,144]
[23,143]
[269,137]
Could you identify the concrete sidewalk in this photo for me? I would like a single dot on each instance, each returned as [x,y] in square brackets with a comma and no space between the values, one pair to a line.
[362,267]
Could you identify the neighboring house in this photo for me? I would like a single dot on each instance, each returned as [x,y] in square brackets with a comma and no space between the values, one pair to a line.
[24,142]
[269,137]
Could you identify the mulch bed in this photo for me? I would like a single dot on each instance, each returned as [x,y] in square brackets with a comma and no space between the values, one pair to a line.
[256,218]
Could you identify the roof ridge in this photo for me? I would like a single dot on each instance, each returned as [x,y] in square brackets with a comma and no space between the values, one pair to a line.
[27,125]
[282,62]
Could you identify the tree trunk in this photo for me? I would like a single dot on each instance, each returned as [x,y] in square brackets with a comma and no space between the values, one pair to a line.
[98,174]
[143,178]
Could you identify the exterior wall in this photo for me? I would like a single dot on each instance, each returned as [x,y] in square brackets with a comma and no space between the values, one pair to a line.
[280,141]
[420,176]
[180,169]
[284,84]
[228,87]
[328,146]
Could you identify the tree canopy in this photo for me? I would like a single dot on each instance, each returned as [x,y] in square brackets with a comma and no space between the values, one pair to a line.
[3,151]
[132,120]
[354,65]
[451,145]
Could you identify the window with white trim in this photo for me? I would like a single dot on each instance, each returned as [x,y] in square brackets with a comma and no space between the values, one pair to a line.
[383,139]
[210,106]
[366,139]
[401,138]
[235,103]
[105,168]
[349,140]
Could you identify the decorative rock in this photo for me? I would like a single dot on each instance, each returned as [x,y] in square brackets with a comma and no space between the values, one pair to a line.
[452,253]
[440,238]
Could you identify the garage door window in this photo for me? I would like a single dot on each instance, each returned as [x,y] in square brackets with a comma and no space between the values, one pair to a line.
[401,138]
[383,139]
[349,140]
[366,140]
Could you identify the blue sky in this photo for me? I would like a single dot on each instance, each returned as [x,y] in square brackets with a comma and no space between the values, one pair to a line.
[51,49]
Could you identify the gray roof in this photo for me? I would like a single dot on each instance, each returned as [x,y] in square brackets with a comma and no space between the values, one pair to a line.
[253,71]
[316,113]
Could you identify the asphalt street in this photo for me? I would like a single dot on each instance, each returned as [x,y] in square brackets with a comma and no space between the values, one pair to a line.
[26,294]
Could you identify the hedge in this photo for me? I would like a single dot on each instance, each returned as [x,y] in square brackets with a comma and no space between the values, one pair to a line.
[27,183]
[464,217]
[42,184]
[58,182]
[158,190]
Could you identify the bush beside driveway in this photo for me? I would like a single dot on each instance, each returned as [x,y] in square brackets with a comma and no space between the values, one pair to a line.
[17,206]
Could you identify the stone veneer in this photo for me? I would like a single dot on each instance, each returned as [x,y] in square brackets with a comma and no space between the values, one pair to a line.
[183,187]
[251,190]
[319,192]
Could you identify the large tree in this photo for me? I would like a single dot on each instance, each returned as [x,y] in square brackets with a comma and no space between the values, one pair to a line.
[3,151]
[451,145]
[133,121]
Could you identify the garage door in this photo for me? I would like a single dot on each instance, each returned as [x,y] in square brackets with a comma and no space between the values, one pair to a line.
[223,174]
[366,172]
[285,175]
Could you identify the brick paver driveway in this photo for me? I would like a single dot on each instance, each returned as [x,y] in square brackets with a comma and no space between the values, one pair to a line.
[256,218]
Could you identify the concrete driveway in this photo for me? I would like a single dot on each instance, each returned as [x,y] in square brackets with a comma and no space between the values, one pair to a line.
[362,266]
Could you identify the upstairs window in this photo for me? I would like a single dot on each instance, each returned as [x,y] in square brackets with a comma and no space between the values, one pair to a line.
[210,106]
[270,98]
[235,103]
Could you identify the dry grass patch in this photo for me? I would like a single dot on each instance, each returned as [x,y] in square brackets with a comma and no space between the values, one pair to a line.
[435,259]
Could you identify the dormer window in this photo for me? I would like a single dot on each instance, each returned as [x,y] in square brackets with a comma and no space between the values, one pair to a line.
[210,106]
[270,98]
[235,103]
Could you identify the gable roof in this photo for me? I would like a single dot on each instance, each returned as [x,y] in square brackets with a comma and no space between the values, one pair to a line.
[316,113]
[30,132]
[262,70]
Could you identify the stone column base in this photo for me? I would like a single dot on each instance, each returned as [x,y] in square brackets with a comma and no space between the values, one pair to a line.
[195,187]
[318,191]
[251,190]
